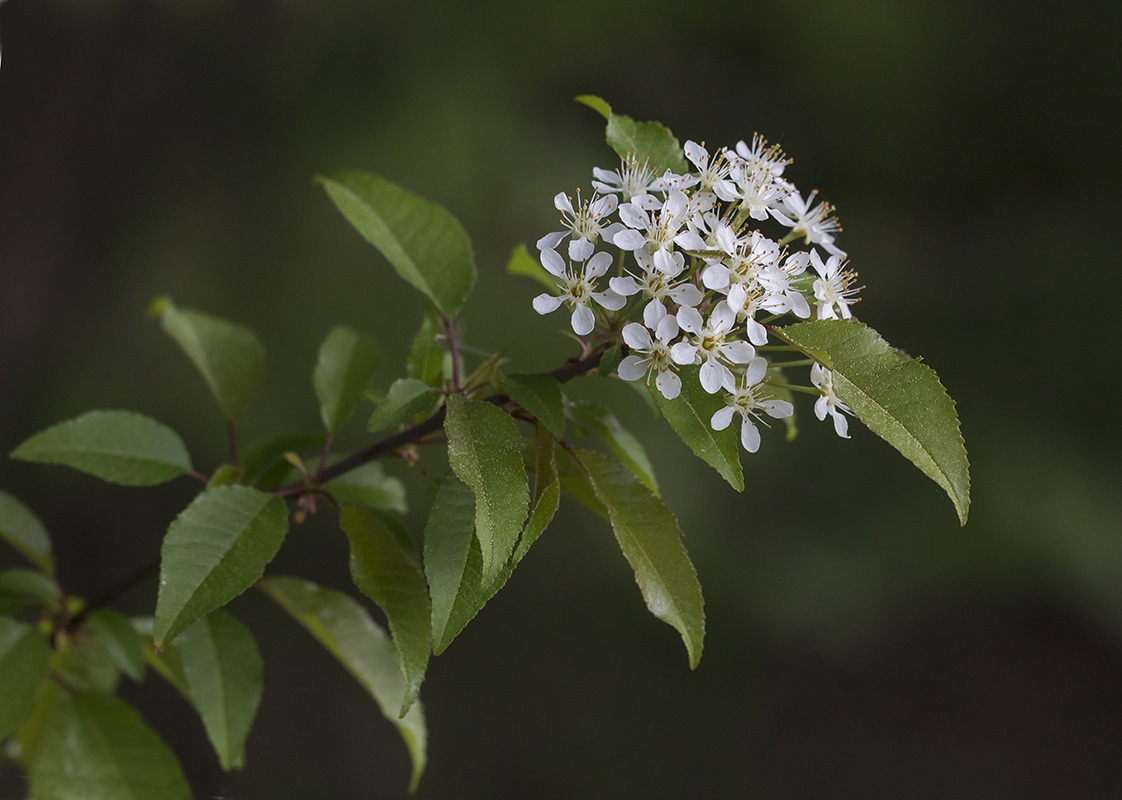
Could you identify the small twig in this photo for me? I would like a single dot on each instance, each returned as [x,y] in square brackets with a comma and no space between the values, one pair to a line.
[194,473]
[232,440]
[326,452]
[115,592]
[450,330]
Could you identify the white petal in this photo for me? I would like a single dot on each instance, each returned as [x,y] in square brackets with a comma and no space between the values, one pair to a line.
[757,333]
[778,408]
[820,407]
[841,424]
[684,353]
[636,336]
[634,217]
[648,202]
[749,436]
[545,303]
[737,296]
[721,418]
[604,206]
[757,368]
[629,240]
[690,319]
[716,277]
[562,203]
[580,249]
[553,263]
[687,294]
[625,285]
[551,240]
[688,240]
[610,300]
[675,205]
[726,239]
[667,329]
[798,304]
[599,264]
[697,154]
[583,320]
[738,352]
[713,375]
[669,384]
[722,319]
[632,368]
[604,175]
[609,232]
[653,313]
[665,262]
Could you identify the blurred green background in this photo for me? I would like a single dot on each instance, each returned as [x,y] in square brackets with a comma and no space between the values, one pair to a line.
[860,644]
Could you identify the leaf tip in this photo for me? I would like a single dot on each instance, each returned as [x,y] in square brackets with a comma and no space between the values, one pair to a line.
[597,104]
[157,307]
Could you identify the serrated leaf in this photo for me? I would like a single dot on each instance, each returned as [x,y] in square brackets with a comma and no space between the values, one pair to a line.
[346,364]
[899,399]
[689,414]
[95,747]
[649,536]
[384,568]
[229,356]
[407,397]
[20,528]
[539,394]
[21,585]
[484,450]
[213,551]
[222,672]
[369,485]
[522,263]
[575,484]
[652,141]
[453,576]
[600,422]
[547,492]
[424,243]
[24,657]
[117,446]
[116,632]
[429,354]
[342,626]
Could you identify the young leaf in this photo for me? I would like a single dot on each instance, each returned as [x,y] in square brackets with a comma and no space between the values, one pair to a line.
[117,446]
[86,664]
[601,422]
[221,668]
[522,263]
[429,353]
[899,399]
[24,656]
[651,540]
[346,363]
[95,747]
[370,486]
[384,568]
[651,141]
[20,528]
[229,356]
[484,450]
[116,632]
[342,626]
[421,240]
[20,585]
[689,414]
[539,394]
[407,397]
[213,552]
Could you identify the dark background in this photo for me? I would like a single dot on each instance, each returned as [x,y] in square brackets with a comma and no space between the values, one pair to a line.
[860,644]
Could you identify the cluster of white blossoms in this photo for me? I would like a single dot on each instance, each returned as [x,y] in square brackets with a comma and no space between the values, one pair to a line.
[703,274]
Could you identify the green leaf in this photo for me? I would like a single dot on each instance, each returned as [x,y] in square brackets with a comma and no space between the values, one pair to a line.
[899,399]
[229,356]
[429,360]
[370,486]
[522,263]
[689,414]
[790,422]
[453,575]
[95,747]
[651,540]
[484,450]
[424,243]
[117,446]
[609,362]
[86,664]
[407,397]
[342,626]
[384,568]
[540,395]
[222,671]
[598,420]
[547,492]
[213,552]
[652,141]
[346,363]
[166,663]
[265,463]
[575,484]
[116,632]
[19,586]
[225,474]
[24,658]
[20,528]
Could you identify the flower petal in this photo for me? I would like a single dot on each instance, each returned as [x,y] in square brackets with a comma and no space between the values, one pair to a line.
[551,240]
[553,263]
[653,313]
[632,368]
[686,295]
[669,384]
[545,303]
[629,240]
[716,277]
[634,217]
[667,329]
[610,300]
[721,418]
[636,336]
[599,264]
[562,203]
[625,286]
[684,353]
[757,368]
[583,320]
[580,249]
[778,408]
[690,320]
[738,352]
[749,436]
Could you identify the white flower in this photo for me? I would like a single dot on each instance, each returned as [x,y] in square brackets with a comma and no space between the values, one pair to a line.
[758,189]
[633,178]
[760,156]
[782,295]
[828,402]
[745,258]
[655,355]
[712,172]
[811,223]
[658,286]
[658,231]
[709,348]
[748,400]
[584,222]
[578,288]
[835,287]
[746,304]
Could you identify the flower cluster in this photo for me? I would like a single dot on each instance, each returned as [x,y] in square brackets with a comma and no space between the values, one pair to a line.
[708,280]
